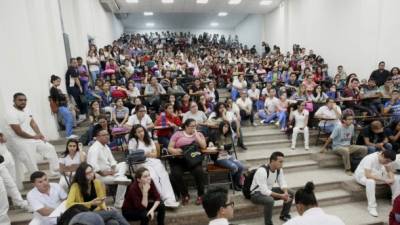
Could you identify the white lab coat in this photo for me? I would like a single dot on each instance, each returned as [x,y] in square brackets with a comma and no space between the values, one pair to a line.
[315,216]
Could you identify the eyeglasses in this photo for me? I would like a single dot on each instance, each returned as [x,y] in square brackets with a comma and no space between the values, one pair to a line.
[232,203]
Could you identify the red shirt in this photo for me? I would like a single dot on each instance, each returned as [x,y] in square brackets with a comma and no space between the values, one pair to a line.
[395,210]
[349,92]
[167,132]
[133,197]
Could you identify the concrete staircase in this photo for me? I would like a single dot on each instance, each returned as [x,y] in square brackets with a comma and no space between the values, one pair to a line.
[335,191]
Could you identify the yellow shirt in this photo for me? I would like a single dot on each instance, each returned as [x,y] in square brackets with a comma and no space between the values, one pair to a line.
[75,195]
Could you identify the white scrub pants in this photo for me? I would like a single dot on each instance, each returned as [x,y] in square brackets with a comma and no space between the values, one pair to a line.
[25,152]
[9,163]
[296,131]
[370,185]
[4,220]
[11,187]
[160,177]
[120,169]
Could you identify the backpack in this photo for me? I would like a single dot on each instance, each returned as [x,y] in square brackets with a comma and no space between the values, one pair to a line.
[248,180]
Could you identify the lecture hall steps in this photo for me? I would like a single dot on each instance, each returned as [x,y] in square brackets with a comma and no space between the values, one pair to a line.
[333,187]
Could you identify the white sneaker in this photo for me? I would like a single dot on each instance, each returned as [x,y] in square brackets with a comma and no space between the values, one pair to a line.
[72,136]
[171,204]
[25,206]
[262,121]
[372,211]
[122,179]
[255,124]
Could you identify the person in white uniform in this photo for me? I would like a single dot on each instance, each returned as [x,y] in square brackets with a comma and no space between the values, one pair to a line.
[300,118]
[9,162]
[3,207]
[375,169]
[140,140]
[218,206]
[72,158]
[107,169]
[309,212]
[26,141]
[44,198]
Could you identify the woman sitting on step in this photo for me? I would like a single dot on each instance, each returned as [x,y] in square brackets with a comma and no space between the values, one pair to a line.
[72,158]
[139,139]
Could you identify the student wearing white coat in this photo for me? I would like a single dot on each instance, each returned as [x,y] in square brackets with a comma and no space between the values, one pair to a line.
[310,213]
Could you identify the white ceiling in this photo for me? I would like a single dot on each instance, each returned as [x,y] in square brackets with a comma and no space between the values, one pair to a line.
[190,6]
[181,21]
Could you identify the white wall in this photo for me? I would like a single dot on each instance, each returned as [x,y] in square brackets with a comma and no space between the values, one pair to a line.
[250,30]
[33,48]
[357,34]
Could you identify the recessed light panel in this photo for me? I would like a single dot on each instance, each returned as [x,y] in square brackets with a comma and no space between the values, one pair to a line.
[222,14]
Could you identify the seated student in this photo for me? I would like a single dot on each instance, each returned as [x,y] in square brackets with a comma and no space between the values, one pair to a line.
[309,212]
[214,120]
[375,169]
[169,121]
[4,219]
[283,111]
[264,192]
[104,164]
[95,112]
[120,113]
[70,161]
[152,93]
[374,137]
[319,96]
[218,206]
[333,92]
[142,200]
[329,111]
[300,120]
[139,139]
[254,95]
[178,165]
[185,104]
[233,116]
[239,84]
[394,216]
[246,107]
[270,111]
[342,137]
[90,192]
[44,198]
[204,106]
[292,84]
[393,132]
[352,97]
[372,97]
[393,106]
[225,158]
[199,116]
[140,117]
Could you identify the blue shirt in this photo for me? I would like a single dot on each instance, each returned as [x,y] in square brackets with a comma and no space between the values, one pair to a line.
[395,110]
[341,136]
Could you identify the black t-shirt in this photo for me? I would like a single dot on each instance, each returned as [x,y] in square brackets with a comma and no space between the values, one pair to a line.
[380,76]
[373,137]
[71,73]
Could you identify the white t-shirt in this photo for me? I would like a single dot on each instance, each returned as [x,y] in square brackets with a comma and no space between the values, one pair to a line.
[246,104]
[199,116]
[38,200]
[299,118]
[370,162]
[133,146]
[325,112]
[315,216]
[254,94]
[100,157]
[264,185]
[271,104]
[93,67]
[145,121]
[22,118]
[239,85]
[68,161]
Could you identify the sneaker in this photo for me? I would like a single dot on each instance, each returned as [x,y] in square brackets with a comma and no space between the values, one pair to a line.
[254,124]
[277,123]
[171,204]
[262,121]
[243,147]
[25,206]
[285,217]
[348,172]
[372,212]
[72,136]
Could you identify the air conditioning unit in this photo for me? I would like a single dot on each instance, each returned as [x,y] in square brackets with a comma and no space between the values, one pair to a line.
[110,5]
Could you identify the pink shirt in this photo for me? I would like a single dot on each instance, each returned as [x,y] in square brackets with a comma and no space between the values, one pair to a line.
[180,139]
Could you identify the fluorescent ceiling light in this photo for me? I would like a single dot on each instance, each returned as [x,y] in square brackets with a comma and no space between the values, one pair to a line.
[266,2]
[149,24]
[234,2]
[132,1]
[148,13]
[222,14]
[167,1]
[201,1]
[214,24]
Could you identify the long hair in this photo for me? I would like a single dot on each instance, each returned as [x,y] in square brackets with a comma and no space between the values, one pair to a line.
[221,129]
[146,138]
[216,109]
[66,152]
[80,178]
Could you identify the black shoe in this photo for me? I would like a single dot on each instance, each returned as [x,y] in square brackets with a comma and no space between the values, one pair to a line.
[243,147]
[285,217]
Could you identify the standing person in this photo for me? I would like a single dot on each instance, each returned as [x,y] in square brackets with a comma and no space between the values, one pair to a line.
[143,200]
[90,192]
[342,137]
[74,87]
[263,192]
[94,65]
[309,212]
[26,139]
[105,166]
[300,118]
[44,198]
[218,206]
[375,169]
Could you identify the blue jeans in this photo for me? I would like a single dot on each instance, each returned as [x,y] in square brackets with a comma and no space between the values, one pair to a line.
[267,117]
[234,166]
[67,119]
[328,128]
[234,94]
[282,119]
[95,74]
[372,149]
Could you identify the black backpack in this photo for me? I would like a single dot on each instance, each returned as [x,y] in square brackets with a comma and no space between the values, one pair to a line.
[248,180]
